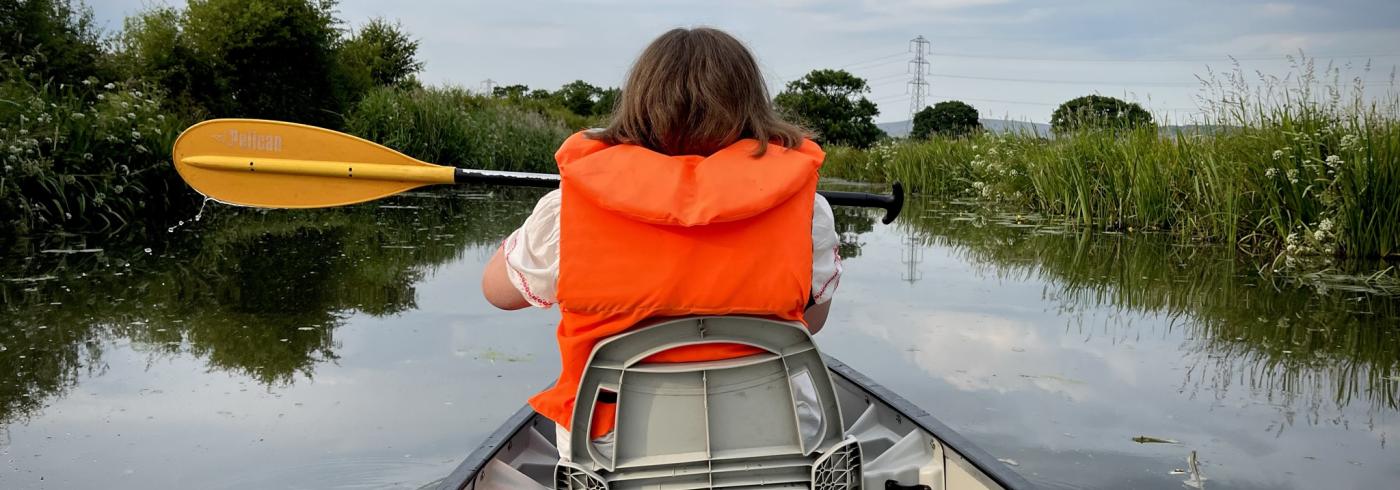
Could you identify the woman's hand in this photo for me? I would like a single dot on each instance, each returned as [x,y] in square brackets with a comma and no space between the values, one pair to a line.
[496,286]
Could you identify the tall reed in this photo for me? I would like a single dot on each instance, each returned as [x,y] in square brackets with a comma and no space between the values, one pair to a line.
[451,126]
[1305,168]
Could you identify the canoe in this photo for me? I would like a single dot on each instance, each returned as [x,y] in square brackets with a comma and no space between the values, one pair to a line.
[903,447]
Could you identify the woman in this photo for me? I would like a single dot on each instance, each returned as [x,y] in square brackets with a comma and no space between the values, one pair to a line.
[696,199]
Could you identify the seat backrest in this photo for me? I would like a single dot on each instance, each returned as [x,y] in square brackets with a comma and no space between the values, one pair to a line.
[684,419]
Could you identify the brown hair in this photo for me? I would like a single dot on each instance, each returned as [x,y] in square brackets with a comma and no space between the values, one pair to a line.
[695,92]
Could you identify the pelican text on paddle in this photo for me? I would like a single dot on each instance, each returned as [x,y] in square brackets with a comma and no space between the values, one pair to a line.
[249,140]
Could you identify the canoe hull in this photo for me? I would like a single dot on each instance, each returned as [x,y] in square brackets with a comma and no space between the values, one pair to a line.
[902,443]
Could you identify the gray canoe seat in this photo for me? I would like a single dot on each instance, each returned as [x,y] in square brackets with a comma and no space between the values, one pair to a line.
[769,419]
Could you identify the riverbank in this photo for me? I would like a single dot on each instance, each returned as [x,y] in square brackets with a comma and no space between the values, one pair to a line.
[1303,172]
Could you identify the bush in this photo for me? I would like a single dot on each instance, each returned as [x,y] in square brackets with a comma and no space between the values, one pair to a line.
[1097,111]
[271,59]
[947,118]
[92,155]
[454,127]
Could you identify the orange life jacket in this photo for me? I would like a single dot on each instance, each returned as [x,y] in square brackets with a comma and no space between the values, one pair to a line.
[646,235]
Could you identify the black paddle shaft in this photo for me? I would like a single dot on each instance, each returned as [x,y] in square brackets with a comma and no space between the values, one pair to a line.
[892,204]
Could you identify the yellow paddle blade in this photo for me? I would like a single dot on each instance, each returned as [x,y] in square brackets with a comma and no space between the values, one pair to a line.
[274,164]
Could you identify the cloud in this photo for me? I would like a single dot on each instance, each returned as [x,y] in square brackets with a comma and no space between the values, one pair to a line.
[1278,8]
[1096,41]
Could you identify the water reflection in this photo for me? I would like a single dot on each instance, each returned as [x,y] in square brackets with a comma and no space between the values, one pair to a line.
[250,292]
[1299,344]
[1048,346]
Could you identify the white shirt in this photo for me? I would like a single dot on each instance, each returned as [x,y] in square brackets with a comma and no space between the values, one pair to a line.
[532,253]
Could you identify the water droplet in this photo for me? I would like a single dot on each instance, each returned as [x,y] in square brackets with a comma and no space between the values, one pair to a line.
[200,214]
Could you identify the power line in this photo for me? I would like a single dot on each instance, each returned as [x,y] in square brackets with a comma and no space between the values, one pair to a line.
[1194,59]
[849,65]
[1071,82]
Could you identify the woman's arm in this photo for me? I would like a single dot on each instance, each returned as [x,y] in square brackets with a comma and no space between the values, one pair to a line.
[816,316]
[496,286]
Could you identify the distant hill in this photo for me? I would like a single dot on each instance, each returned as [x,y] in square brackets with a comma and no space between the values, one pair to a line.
[901,128]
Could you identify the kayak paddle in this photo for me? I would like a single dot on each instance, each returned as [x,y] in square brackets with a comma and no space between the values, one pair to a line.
[275,164]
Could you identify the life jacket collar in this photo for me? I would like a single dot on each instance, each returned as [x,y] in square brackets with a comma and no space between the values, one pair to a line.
[687,190]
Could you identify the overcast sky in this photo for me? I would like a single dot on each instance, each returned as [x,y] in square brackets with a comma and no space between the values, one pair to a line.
[1008,58]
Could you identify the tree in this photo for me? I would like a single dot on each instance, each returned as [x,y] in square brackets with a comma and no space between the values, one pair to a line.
[831,102]
[510,92]
[607,102]
[379,54]
[579,97]
[56,36]
[947,118]
[1097,111]
[272,59]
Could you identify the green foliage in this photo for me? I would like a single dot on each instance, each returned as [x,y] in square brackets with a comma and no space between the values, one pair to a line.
[1302,175]
[272,59]
[379,54]
[57,36]
[454,127]
[91,155]
[947,118]
[579,97]
[1098,112]
[832,103]
[607,102]
[510,91]
[578,104]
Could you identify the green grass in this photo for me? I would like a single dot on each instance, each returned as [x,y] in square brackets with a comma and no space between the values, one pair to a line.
[1300,169]
[450,126]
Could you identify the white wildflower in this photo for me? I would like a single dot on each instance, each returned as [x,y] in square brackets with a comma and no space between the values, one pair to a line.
[1320,235]
[126,105]
[101,96]
[135,134]
[23,131]
[87,156]
[109,86]
[1334,161]
[1349,142]
[131,116]
[1293,175]
[1278,154]
[87,82]
[1291,239]
[79,115]
[1325,224]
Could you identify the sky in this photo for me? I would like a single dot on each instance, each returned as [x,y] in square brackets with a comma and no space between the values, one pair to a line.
[1013,59]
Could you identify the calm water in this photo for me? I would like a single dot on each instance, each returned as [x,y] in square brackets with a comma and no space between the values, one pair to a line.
[351,349]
